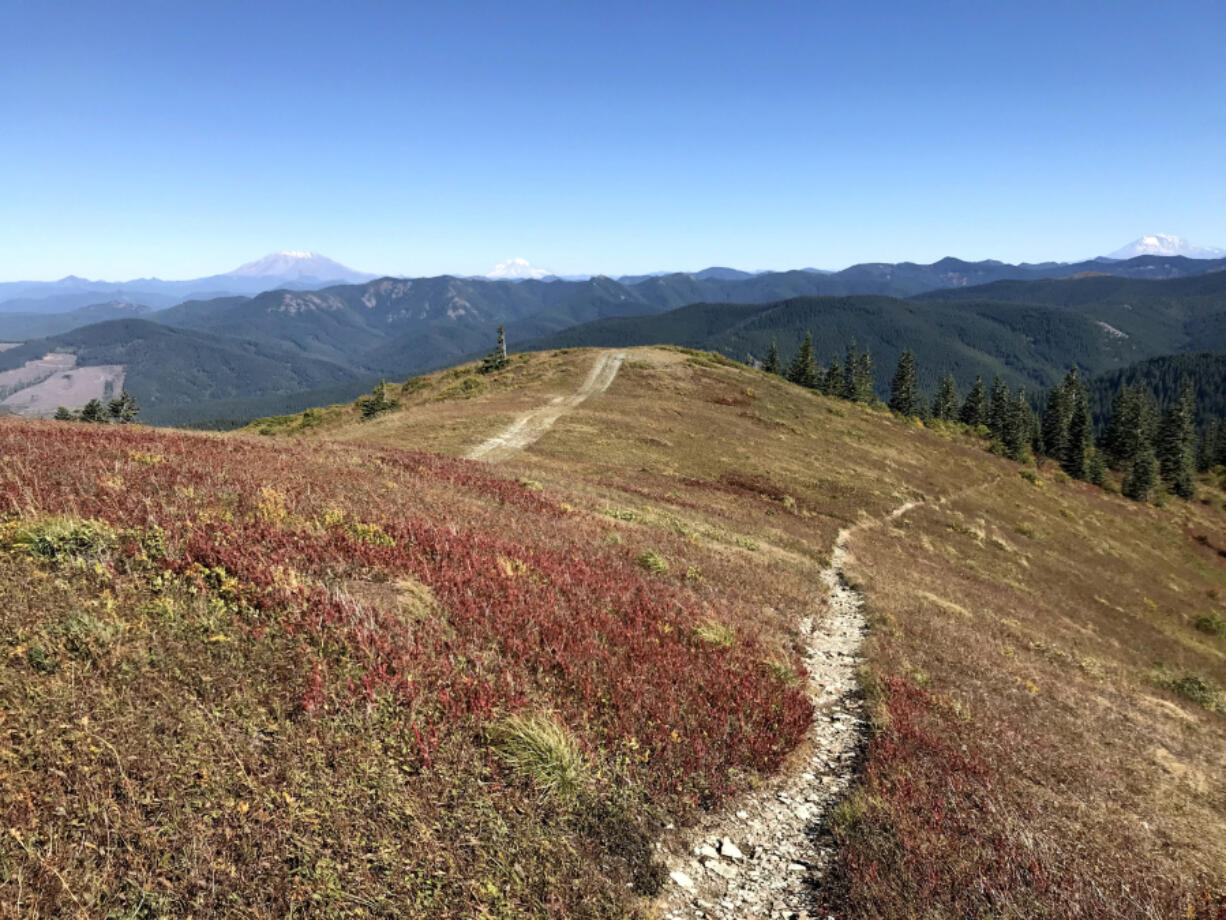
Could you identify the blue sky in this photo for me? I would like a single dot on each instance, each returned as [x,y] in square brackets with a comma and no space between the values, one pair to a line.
[180,139]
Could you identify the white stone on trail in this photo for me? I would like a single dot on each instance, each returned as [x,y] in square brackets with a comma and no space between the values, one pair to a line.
[782,824]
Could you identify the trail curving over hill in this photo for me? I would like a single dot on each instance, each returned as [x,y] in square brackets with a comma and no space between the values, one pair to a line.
[531,426]
[768,858]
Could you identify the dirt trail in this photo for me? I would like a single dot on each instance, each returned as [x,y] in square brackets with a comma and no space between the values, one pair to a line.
[529,427]
[769,857]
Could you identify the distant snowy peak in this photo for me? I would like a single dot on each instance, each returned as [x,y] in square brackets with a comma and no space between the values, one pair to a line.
[293,264]
[1163,244]
[517,270]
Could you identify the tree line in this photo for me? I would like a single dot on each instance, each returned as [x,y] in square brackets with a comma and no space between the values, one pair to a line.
[122,410]
[1146,446]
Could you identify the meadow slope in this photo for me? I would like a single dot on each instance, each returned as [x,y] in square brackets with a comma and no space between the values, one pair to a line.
[319,668]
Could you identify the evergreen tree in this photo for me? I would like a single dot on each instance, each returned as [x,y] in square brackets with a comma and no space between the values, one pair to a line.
[974,410]
[1015,431]
[1056,421]
[123,408]
[1174,444]
[999,407]
[904,388]
[772,360]
[1140,481]
[1080,438]
[1205,446]
[1218,456]
[945,406]
[496,360]
[92,411]
[1131,425]
[803,369]
[63,414]
[858,375]
[377,402]
[832,382]
[1097,473]
[849,372]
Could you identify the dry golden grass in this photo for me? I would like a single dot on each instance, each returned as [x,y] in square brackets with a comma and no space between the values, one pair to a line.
[1032,753]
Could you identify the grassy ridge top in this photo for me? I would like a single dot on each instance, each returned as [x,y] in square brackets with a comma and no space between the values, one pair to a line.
[336,675]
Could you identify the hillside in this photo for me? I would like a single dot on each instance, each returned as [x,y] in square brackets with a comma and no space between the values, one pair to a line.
[341,674]
[396,327]
[1025,344]
[1164,377]
[166,368]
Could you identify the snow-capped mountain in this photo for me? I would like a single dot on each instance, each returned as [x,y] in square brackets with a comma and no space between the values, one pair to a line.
[295,265]
[517,270]
[1163,244]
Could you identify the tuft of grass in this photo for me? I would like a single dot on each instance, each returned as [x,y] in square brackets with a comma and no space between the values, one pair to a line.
[62,538]
[653,562]
[1195,688]
[1211,623]
[540,748]
[716,634]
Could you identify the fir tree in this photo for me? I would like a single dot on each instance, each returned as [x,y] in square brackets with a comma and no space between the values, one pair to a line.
[1174,444]
[974,410]
[772,360]
[1140,481]
[1097,472]
[945,406]
[904,388]
[1056,421]
[858,375]
[496,360]
[63,414]
[123,408]
[1076,458]
[1131,425]
[92,411]
[999,407]
[1016,429]
[832,382]
[803,369]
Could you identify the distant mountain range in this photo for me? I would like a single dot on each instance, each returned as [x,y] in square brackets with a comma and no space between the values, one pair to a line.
[277,343]
[289,269]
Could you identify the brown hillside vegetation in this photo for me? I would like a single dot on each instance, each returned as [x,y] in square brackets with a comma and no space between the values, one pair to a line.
[316,669]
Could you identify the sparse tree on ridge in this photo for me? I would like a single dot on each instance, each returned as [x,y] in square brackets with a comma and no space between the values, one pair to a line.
[945,406]
[803,369]
[772,359]
[974,410]
[904,388]
[496,360]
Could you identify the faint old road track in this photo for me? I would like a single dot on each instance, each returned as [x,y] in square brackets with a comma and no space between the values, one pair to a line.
[529,427]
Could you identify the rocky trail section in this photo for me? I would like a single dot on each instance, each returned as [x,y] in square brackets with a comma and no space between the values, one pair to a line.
[768,858]
[531,426]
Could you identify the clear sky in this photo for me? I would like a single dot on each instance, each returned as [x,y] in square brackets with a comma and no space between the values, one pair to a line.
[180,139]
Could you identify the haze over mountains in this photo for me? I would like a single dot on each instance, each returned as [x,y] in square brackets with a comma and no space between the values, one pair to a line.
[280,331]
